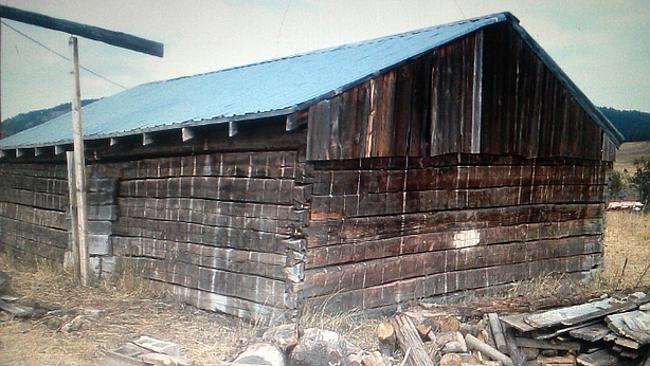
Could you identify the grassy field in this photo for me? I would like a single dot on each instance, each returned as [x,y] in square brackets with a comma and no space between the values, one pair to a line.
[630,151]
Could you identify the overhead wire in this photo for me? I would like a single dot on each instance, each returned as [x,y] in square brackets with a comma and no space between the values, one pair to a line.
[62,55]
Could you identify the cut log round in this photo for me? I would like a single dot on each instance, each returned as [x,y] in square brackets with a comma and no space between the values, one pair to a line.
[386,338]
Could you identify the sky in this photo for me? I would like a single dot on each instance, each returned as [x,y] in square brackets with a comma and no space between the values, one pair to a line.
[602,45]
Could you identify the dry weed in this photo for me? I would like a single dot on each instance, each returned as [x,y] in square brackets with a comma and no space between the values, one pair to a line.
[627,250]
[130,311]
[356,326]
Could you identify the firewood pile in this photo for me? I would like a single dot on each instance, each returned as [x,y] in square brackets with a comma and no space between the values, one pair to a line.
[603,331]
[599,332]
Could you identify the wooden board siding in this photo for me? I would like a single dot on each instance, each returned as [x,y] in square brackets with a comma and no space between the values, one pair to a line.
[223,224]
[33,205]
[385,116]
[383,226]
[487,92]
[525,109]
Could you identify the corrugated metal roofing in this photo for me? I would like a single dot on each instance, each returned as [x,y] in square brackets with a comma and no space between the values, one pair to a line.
[273,87]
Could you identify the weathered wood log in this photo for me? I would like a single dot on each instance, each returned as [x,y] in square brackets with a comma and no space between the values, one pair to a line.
[409,339]
[261,353]
[602,357]
[450,359]
[567,360]
[373,358]
[534,343]
[423,330]
[497,332]
[386,337]
[475,343]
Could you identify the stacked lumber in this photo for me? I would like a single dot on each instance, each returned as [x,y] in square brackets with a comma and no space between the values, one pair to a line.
[604,331]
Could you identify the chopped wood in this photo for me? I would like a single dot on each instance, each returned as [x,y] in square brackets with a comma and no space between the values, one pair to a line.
[633,324]
[539,344]
[475,343]
[568,314]
[568,360]
[423,330]
[373,358]
[517,321]
[497,332]
[450,359]
[454,344]
[409,339]
[386,337]
[626,342]
[591,333]
[560,331]
[603,357]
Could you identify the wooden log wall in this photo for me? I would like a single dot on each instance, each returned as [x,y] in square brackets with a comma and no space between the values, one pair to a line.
[385,231]
[33,210]
[221,230]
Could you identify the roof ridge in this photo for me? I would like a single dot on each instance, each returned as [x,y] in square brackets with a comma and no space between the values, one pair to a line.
[504,14]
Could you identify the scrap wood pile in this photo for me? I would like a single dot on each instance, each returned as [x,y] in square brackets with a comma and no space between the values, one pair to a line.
[604,331]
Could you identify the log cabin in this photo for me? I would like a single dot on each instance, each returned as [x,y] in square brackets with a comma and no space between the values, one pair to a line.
[420,165]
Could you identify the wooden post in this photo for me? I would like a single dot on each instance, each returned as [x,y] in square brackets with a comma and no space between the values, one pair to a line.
[79,167]
[74,228]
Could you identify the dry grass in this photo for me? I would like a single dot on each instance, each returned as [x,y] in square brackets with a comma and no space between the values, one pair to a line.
[627,250]
[356,326]
[630,151]
[130,310]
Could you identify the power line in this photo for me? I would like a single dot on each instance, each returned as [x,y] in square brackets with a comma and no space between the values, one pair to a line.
[63,56]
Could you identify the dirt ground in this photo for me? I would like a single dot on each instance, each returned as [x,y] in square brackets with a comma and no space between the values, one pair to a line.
[208,338]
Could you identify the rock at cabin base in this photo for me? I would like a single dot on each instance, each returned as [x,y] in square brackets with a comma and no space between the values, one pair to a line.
[319,347]
[261,354]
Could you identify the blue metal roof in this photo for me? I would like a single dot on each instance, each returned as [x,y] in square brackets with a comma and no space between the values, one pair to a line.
[274,87]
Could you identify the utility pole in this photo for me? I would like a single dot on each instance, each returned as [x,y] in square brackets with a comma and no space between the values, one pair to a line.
[79,167]
[78,190]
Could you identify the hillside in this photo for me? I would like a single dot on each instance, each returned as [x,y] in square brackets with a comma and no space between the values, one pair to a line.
[27,120]
[634,125]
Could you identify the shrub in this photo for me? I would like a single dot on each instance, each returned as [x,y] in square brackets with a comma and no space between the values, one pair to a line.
[641,180]
[616,184]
